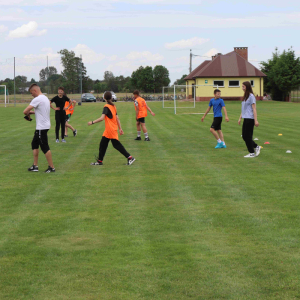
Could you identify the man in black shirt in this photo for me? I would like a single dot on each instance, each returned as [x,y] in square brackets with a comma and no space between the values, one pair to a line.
[60,113]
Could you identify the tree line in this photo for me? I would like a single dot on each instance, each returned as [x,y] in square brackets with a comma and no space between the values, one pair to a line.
[145,79]
[283,74]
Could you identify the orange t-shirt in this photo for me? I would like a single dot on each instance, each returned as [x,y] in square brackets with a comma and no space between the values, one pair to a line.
[111,125]
[70,110]
[141,103]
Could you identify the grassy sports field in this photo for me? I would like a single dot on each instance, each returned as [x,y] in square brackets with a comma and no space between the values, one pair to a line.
[185,221]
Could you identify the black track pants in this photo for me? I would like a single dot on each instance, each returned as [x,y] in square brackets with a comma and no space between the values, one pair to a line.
[117,145]
[248,127]
[60,118]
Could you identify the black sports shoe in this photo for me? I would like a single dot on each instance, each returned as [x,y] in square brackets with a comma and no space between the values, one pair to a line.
[97,163]
[75,132]
[131,160]
[147,139]
[50,170]
[138,138]
[33,168]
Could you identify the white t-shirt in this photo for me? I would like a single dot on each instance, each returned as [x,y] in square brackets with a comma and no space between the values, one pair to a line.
[247,110]
[41,106]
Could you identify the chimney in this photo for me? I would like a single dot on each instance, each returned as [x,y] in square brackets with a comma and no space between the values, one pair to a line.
[242,51]
[213,57]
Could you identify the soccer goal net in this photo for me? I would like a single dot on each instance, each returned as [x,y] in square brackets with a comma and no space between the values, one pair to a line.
[4,99]
[185,99]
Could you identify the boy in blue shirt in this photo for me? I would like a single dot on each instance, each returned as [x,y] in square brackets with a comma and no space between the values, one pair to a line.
[217,103]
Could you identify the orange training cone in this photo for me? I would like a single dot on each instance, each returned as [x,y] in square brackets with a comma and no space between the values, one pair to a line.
[267,143]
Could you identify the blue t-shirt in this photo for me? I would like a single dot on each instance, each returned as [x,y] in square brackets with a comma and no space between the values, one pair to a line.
[217,105]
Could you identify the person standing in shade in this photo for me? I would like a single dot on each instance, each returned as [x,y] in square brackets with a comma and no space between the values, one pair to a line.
[249,114]
[112,123]
[41,107]
[60,113]
[141,108]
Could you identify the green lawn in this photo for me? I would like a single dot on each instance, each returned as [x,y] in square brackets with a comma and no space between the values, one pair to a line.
[185,221]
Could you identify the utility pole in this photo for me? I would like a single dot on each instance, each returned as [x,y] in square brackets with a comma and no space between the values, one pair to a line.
[191,57]
[80,79]
[47,74]
[15,80]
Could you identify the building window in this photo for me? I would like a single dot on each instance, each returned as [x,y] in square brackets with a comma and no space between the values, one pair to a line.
[234,83]
[252,82]
[218,83]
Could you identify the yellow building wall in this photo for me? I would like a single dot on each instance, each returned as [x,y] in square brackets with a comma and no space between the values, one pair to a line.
[189,89]
[226,91]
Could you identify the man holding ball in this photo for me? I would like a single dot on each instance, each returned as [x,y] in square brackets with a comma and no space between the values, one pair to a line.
[41,106]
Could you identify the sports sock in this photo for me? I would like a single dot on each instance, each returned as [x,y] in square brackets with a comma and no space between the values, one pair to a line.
[130,157]
[139,134]
[223,143]
[146,134]
[219,141]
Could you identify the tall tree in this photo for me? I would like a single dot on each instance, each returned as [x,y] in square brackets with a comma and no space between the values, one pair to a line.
[47,72]
[161,78]
[283,72]
[70,72]
[180,81]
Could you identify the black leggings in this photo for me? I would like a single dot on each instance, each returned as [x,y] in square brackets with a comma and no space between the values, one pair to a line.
[60,119]
[117,145]
[248,127]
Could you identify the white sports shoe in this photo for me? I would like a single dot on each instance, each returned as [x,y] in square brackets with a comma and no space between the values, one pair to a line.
[257,150]
[250,155]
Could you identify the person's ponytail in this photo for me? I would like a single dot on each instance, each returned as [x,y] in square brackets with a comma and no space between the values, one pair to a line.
[108,97]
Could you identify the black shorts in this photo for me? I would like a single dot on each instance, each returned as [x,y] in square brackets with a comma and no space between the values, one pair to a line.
[141,120]
[216,125]
[68,117]
[40,139]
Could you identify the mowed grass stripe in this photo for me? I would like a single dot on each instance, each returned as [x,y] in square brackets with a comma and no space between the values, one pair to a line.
[183,222]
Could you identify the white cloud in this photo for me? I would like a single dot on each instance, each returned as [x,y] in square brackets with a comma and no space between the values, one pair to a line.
[145,56]
[89,56]
[186,43]
[26,30]
[3,28]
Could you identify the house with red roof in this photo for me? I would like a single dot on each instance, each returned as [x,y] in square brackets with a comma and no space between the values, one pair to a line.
[226,72]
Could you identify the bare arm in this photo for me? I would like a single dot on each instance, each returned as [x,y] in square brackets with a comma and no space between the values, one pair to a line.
[119,125]
[226,116]
[207,111]
[97,121]
[137,112]
[27,111]
[255,114]
[149,109]
[240,119]
[55,108]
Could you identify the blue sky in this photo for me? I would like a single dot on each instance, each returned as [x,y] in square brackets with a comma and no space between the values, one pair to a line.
[121,35]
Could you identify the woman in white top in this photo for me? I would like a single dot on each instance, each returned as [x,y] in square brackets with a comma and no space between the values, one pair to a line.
[249,114]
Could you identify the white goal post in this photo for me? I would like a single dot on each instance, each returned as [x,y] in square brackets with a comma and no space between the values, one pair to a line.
[1,86]
[184,94]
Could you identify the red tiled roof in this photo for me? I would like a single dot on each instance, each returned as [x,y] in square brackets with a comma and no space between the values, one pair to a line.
[228,65]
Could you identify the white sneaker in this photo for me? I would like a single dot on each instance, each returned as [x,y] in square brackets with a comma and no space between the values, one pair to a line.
[63,141]
[250,155]
[57,141]
[257,150]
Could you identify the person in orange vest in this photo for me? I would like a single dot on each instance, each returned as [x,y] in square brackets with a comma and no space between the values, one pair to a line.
[141,108]
[112,123]
[69,105]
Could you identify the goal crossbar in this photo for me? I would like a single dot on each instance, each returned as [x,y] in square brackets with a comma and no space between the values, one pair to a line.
[174,98]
